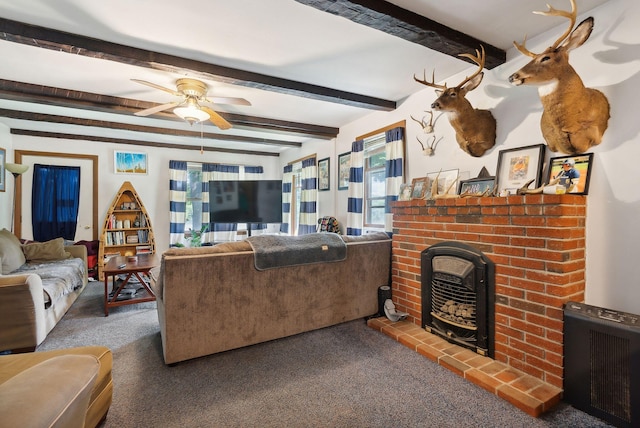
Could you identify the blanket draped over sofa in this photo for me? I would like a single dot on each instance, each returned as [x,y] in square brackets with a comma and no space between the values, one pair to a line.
[213,299]
[274,251]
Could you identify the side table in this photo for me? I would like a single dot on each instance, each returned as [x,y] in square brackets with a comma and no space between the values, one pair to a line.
[139,269]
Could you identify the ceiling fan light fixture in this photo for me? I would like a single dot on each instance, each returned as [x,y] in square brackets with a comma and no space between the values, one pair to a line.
[191,113]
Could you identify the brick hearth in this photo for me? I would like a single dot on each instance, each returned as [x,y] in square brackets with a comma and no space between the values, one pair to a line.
[537,243]
[524,391]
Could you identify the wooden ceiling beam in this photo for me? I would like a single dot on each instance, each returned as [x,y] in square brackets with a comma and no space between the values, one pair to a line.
[45,134]
[75,44]
[391,19]
[26,92]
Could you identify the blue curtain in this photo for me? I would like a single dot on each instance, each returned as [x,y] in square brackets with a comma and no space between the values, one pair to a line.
[356,189]
[222,231]
[308,197]
[55,200]
[287,182]
[394,161]
[177,201]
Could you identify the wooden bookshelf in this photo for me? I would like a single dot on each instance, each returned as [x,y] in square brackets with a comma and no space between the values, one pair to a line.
[127,228]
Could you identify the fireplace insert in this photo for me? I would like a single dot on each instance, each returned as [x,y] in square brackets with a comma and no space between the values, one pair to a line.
[458,295]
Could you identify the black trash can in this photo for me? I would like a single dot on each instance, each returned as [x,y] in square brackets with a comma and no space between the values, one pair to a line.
[384,293]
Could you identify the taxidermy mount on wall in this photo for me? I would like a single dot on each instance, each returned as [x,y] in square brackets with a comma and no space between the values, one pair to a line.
[574,118]
[475,128]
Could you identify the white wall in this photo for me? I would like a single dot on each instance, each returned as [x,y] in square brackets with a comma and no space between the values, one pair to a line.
[609,61]
[6,197]
[152,188]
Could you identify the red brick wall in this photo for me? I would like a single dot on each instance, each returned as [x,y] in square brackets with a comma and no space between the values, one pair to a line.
[537,243]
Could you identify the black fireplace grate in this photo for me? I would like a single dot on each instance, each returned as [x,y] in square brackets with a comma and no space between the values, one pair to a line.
[458,295]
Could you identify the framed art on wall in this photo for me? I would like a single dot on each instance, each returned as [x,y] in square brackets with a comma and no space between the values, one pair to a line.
[518,166]
[344,164]
[130,162]
[3,155]
[323,174]
[573,172]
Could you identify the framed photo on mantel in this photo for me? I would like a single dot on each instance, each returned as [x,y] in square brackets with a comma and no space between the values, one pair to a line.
[518,166]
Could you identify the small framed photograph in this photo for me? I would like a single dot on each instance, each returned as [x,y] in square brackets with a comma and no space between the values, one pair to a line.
[344,165]
[573,172]
[323,174]
[476,186]
[405,192]
[518,166]
[446,181]
[3,156]
[419,188]
[130,162]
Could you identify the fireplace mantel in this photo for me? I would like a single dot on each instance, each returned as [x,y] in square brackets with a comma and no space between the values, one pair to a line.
[537,243]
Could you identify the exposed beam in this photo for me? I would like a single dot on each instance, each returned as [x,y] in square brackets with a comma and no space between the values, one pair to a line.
[60,135]
[75,44]
[26,92]
[51,118]
[394,20]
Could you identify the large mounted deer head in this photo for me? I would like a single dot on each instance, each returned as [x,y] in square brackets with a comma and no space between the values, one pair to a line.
[475,129]
[574,118]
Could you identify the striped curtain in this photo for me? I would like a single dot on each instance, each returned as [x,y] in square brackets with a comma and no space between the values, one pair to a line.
[213,172]
[287,182]
[308,197]
[394,161]
[177,201]
[356,189]
[255,173]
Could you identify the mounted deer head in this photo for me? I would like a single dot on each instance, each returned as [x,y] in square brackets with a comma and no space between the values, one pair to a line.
[475,129]
[574,118]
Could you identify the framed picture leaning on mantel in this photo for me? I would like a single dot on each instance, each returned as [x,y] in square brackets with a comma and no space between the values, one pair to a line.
[324,178]
[476,186]
[419,188]
[518,166]
[573,172]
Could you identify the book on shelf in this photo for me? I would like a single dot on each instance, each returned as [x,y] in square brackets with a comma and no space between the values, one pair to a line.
[143,249]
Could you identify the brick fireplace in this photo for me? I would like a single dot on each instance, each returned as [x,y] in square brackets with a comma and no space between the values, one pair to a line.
[537,243]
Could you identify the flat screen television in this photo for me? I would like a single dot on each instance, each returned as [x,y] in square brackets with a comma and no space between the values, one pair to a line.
[250,201]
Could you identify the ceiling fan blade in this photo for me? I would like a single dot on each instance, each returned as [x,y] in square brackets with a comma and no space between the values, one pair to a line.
[229,100]
[218,120]
[162,88]
[156,109]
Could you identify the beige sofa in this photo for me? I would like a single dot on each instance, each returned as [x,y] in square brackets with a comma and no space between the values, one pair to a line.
[38,284]
[37,388]
[213,299]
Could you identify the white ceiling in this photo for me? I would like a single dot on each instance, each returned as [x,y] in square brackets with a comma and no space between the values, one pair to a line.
[280,38]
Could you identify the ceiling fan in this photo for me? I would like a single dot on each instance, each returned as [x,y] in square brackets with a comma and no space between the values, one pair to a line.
[190,108]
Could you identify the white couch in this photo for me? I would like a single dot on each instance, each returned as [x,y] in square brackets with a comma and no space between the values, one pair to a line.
[38,284]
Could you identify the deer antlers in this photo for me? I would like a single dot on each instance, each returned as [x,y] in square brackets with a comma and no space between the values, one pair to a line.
[478,58]
[552,12]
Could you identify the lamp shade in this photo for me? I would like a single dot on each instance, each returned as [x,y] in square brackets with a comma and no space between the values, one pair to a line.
[16,168]
[191,112]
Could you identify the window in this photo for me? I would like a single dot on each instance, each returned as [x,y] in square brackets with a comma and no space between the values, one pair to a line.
[374,181]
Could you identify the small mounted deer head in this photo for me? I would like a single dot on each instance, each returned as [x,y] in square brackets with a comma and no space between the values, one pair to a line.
[430,148]
[475,129]
[574,118]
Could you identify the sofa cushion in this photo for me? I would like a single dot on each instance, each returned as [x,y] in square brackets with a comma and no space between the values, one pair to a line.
[11,254]
[46,251]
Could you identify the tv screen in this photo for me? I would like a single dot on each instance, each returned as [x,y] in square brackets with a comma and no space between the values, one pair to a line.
[251,201]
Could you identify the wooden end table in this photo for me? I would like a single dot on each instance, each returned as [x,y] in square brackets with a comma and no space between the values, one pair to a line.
[120,265]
